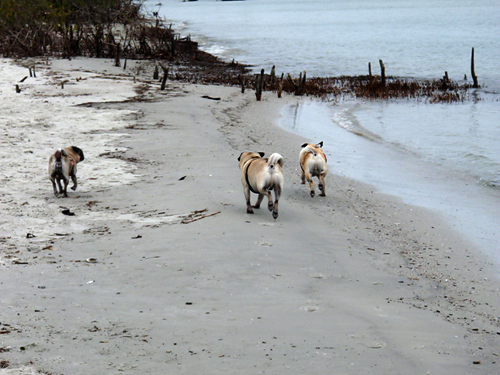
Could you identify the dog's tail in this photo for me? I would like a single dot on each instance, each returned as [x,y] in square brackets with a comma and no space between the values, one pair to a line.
[315,152]
[273,160]
[58,162]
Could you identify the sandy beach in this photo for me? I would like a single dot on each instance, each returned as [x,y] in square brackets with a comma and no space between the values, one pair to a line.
[160,270]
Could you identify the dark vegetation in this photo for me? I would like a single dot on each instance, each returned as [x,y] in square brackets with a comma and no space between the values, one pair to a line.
[118,29]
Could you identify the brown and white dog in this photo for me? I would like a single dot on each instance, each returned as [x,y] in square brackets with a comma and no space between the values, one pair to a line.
[313,164]
[62,167]
[260,175]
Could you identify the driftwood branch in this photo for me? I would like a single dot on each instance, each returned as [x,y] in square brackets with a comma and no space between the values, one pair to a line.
[165,75]
[211,97]
[187,221]
[117,56]
[299,86]
[156,74]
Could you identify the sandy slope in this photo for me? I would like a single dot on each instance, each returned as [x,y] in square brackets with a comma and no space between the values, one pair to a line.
[354,283]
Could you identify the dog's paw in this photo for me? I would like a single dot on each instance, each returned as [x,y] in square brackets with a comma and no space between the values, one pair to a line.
[275,215]
[73,188]
[270,207]
[249,211]
[321,187]
[312,193]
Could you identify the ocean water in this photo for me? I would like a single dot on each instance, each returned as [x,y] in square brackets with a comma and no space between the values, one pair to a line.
[445,157]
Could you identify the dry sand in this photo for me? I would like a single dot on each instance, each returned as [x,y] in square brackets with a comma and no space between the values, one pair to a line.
[353,283]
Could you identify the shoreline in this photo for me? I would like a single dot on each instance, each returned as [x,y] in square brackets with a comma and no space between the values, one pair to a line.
[354,279]
[455,194]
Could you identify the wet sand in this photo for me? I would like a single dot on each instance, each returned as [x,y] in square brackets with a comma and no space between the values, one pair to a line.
[161,270]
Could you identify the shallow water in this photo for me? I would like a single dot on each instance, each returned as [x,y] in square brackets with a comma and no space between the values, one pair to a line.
[467,204]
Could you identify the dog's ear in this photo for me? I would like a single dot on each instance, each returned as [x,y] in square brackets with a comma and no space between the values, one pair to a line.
[78,151]
[239,157]
[320,144]
[261,154]
[304,145]
[63,152]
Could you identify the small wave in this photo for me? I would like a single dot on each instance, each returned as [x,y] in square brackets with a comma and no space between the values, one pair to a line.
[347,121]
[216,50]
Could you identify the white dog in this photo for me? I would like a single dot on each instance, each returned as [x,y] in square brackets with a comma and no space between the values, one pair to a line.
[261,175]
[313,164]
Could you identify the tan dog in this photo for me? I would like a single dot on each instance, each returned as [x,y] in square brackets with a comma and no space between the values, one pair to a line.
[260,176]
[62,167]
[313,164]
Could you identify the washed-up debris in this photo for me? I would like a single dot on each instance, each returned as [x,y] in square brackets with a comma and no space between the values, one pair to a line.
[94,329]
[68,212]
[210,97]
[197,215]
[136,237]
[182,178]
[16,261]
[30,235]
[91,260]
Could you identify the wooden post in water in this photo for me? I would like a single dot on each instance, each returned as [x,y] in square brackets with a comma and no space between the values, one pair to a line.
[273,76]
[280,85]
[242,80]
[445,81]
[259,82]
[473,71]
[302,84]
[382,71]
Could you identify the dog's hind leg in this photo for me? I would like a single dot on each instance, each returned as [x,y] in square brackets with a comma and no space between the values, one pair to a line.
[75,183]
[59,185]
[54,186]
[246,191]
[311,184]
[277,195]
[66,183]
[321,184]
[259,201]
[303,178]
[267,193]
